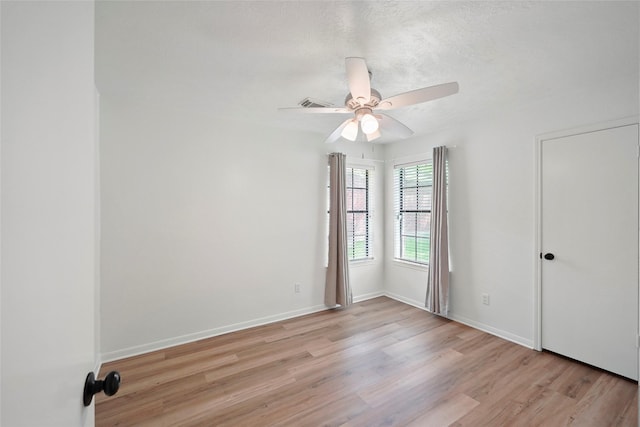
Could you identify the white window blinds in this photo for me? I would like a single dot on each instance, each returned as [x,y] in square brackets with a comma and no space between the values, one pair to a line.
[358,185]
[412,189]
[358,216]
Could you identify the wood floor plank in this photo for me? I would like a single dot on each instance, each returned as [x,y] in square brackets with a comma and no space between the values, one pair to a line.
[605,401]
[196,410]
[304,396]
[575,379]
[399,409]
[411,375]
[336,359]
[378,363]
[441,337]
[446,412]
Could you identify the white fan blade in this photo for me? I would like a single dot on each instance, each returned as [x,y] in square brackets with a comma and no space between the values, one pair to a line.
[373,135]
[335,135]
[419,95]
[326,110]
[358,79]
[388,123]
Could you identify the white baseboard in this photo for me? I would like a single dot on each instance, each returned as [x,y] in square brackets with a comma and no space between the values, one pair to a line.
[493,331]
[371,295]
[184,339]
[417,304]
[461,319]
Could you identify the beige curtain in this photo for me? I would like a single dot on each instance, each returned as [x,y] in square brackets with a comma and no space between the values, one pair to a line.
[438,281]
[337,290]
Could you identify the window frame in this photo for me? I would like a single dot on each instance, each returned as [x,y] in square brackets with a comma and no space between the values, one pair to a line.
[369,179]
[400,213]
[366,212]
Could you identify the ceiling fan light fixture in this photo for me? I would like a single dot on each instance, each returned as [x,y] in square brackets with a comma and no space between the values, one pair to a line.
[350,131]
[369,124]
[366,102]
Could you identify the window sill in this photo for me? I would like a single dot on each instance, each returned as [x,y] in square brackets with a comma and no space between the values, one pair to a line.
[411,265]
[362,262]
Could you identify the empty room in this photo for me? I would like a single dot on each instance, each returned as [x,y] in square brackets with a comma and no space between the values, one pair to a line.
[310,213]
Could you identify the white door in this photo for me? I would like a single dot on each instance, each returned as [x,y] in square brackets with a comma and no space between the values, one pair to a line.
[49,218]
[590,225]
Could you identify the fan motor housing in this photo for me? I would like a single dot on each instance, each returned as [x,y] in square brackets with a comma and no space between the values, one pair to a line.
[354,105]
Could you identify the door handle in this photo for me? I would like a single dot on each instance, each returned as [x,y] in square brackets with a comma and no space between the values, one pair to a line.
[548,256]
[109,386]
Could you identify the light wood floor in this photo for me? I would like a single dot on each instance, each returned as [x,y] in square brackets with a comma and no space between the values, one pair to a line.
[377,363]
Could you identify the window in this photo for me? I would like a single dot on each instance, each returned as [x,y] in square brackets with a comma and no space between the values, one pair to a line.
[358,184]
[412,211]
[358,218]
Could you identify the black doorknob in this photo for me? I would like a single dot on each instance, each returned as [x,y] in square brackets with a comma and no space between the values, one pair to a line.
[109,385]
[549,256]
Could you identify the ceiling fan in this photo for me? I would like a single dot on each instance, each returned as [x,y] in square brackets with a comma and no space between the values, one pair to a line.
[364,102]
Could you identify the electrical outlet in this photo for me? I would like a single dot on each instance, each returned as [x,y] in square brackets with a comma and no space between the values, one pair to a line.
[485,299]
[296,288]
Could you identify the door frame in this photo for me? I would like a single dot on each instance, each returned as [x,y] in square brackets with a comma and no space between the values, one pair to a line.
[537,276]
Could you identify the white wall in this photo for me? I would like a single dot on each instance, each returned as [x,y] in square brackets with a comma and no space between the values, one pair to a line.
[176,214]
[49,227]
[491,204]
[186,196]
[207,224]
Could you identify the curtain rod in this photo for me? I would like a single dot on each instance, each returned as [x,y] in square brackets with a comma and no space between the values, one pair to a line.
[364,158]
[401,157]
[430,153]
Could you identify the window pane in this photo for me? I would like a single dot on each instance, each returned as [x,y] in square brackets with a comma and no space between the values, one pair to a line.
[409,248]
[423,224]
[349,177]
[360,249]
[424,174]
[409,199]
[360,178]
[349,199]
[408,224]
[360,223]
[422,250]
[359,199]
[423,197]
[349,224]
[410,177]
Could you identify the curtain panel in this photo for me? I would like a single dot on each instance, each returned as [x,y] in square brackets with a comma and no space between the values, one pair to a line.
[437,300]
[337,288]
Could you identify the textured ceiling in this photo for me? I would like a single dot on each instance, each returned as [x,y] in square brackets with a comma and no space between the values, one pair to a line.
[239,59]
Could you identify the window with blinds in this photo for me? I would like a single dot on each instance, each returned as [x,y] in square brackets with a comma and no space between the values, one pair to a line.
[358,184]
[412,188]
[358,218]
